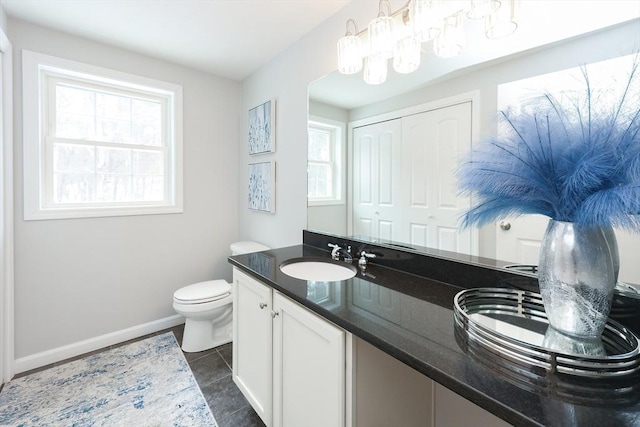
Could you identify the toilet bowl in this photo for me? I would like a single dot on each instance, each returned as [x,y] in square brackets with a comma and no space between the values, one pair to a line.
[207,308]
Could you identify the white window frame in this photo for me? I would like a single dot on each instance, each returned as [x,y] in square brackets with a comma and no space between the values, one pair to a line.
[36,70]
[338,161]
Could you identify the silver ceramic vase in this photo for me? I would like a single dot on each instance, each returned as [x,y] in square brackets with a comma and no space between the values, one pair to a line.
[577,277]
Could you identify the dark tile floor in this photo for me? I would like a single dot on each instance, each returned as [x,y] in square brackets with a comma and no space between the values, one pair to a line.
[212,371]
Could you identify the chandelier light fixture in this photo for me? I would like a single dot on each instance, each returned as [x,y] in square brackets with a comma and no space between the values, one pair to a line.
[399,35]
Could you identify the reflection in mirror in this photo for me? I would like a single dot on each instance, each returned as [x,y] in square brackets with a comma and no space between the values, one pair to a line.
[402,147]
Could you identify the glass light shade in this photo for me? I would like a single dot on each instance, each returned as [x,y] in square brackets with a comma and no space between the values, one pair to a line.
[381,37]
[503,21]
[427,19]
[375,70]
[407,57]
[451,7]
[349,54]
[452,38]
[481,8]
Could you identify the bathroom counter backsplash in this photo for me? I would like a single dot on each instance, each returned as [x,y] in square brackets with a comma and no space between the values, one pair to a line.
[415,325]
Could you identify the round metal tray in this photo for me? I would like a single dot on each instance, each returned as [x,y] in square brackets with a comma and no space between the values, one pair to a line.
[510,326]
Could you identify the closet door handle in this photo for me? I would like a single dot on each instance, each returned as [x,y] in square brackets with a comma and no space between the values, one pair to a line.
[274,314]
[262,305]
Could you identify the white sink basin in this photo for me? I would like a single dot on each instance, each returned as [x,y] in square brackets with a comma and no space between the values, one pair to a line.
[318,270]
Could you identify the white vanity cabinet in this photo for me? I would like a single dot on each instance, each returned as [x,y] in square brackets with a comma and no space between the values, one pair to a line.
[252,343]
[287,361]
[297,369]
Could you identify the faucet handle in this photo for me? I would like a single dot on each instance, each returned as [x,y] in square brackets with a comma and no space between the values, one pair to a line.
[335,250]
[363,257]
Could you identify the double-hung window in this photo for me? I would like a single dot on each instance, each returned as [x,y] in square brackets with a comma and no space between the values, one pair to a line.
[325,163]
[98,142]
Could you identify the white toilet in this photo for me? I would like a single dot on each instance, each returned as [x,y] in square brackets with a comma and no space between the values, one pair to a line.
[207,307]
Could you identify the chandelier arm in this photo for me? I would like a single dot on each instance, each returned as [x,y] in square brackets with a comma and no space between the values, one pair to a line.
[355,28]
[384,2]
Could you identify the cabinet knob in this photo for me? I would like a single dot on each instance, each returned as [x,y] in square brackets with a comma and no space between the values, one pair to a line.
[262,305]
[274,314]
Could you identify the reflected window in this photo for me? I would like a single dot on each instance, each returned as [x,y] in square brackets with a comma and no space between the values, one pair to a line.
[325,170]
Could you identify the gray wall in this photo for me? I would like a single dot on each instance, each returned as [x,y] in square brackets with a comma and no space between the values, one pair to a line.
[79,279]
[286,78]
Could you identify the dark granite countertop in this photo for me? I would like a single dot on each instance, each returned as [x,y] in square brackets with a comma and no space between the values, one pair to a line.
[417,328]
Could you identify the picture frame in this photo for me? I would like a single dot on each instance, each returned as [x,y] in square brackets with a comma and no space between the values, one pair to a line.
[262,186]
[262,126]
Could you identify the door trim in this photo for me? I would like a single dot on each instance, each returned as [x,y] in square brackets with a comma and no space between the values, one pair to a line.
[6,204]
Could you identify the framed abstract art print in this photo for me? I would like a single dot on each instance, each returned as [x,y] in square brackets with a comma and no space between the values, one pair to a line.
[262,125]
[262,186]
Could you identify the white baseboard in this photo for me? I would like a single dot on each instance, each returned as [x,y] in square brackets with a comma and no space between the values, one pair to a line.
[72,350]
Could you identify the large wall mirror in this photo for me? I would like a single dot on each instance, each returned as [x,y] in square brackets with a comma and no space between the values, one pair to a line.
[371,175]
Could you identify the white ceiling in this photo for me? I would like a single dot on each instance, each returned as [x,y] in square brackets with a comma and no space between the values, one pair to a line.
[234,38]
[229,38]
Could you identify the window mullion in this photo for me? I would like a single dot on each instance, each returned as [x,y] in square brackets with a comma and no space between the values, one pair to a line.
[107,144]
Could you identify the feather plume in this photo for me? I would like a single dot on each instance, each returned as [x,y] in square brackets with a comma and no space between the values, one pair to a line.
[563,157]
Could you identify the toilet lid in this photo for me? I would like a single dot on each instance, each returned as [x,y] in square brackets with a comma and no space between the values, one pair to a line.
[210,290]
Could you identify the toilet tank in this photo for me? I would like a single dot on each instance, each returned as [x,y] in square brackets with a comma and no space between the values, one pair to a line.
[239,248]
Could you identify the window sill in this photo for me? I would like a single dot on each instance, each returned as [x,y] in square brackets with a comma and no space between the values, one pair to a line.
[312,203]
[94,212]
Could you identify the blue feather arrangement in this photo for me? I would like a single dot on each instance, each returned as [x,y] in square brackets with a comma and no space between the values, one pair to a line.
[564,157]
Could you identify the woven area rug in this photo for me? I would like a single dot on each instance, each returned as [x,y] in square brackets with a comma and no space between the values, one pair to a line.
[145,383]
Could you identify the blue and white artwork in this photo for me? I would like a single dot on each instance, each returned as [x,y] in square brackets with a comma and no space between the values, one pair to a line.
[262,187]
[262,128]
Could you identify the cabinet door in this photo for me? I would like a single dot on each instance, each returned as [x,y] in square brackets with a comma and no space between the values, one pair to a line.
[309,368]
[252,343]
[452,410]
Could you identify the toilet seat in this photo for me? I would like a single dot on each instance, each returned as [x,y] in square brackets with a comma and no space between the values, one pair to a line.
[202,292]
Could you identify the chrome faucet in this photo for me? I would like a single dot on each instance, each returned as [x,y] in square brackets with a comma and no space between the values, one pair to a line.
[339,250]
[362,262]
